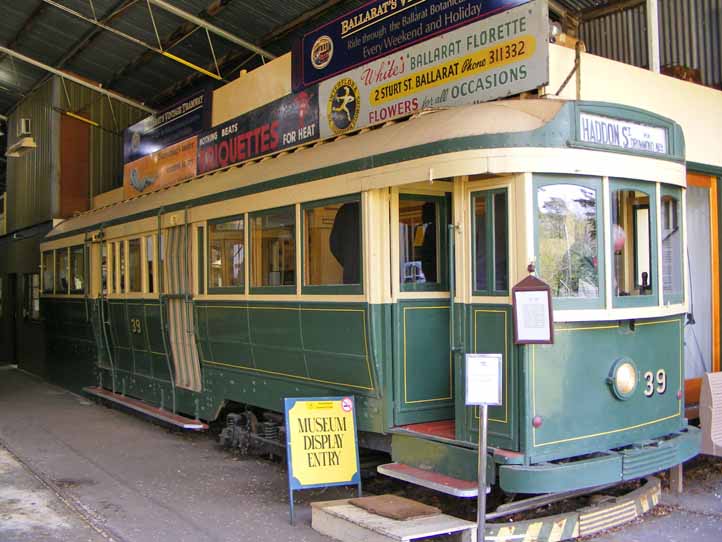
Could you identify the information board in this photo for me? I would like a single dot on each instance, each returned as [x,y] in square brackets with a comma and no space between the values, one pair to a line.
[531,303]
[483,379]
[321,443]
[378,28]
[499,56]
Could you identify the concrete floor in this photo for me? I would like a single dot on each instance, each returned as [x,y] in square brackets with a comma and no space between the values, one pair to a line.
[73,470]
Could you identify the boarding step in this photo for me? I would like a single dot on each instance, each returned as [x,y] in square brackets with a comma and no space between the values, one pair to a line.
[343,521]
[154,412]
[432,480]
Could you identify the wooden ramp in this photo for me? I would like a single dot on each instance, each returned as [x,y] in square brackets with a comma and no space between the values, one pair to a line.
[148,410]
[710,414]
[344,521]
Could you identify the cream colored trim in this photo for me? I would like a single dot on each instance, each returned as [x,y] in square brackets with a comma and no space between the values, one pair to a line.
[520,213]
[143,266]
[530,214]
[136,228]
[282,297]
[127,266]
[593,315]
[246,253]
[462,220]
[658,222]
[608,255]
[110,254]
[423,295]
[685,271]
[300,271]
[394,245]
[492,300]
[133,295]
[63,243]
[377,245]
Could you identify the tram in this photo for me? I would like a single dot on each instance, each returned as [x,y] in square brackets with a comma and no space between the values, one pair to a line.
[368,265]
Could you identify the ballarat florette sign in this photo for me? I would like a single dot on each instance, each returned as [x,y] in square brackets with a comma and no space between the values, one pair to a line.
[379,28]
[284,123]
[321,443]
[498,56]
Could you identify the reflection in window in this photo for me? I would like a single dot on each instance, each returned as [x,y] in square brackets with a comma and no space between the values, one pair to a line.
[149,257]
[274,248]
[61,271]
[134,267]
[491,237]
[161,259]
[332,244]
[104,269]
[632,243]
[48,280]
[31,305]
[77,270]
[672,256]
[120,285]
[419,223]
[227,253]
[567,230]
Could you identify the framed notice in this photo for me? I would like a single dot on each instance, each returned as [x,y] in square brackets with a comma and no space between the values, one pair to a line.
[532,309]
[483,379]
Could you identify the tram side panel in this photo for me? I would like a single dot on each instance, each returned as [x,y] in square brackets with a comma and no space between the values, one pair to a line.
[257,353]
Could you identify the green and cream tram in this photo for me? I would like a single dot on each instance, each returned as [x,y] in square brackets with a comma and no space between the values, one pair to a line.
[329,271]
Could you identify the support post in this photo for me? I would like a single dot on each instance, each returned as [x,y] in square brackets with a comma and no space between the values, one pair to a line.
[676,479]
[481,497]
[653,35]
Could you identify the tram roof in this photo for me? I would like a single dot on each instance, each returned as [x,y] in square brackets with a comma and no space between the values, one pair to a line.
[499,124]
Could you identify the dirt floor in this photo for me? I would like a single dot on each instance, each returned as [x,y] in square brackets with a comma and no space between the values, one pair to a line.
[71,469]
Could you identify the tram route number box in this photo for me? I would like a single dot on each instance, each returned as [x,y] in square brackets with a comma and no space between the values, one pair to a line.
[322,443]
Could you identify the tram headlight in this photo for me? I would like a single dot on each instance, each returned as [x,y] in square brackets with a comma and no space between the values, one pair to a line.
[623,378]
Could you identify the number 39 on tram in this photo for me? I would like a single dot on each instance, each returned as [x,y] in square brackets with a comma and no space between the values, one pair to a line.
[329,271]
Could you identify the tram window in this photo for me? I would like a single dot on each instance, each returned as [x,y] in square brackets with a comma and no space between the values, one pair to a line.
[104,268]
[421,241]
[672,256]
[31,306]
[77,270]
[332,243]
[273,245]
[161,260]
[568,251]
[48,268]
[491,242]
[149,257]
[120,284]
[632,233]
[135,283]
[61,271]
[226,250]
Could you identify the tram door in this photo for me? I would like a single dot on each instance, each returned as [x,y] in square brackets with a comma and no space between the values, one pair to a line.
[423,367]
[177,281]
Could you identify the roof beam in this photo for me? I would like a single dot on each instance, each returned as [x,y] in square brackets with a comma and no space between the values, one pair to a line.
[78,80]
[211,28]
[178,35]
[241,57]
[613,6]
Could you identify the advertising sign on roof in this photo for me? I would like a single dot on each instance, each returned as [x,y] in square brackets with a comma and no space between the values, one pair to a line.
[162,168]
[180,121]
[287,122]
[488,59]
[379,28]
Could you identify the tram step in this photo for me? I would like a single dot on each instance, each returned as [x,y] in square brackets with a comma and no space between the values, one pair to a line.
[432,480]
[348,523]
[148,410]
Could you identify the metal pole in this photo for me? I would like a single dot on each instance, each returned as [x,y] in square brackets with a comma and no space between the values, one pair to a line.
[481,498]
[212,28]
[653,35]
[77,80]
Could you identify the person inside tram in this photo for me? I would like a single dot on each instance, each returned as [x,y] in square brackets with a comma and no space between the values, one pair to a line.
[344,241]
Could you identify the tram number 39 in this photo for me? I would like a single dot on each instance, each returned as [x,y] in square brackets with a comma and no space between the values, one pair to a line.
[654,382]
[135,326]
